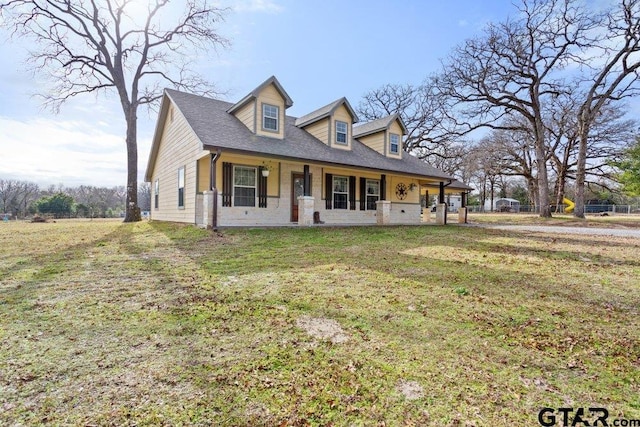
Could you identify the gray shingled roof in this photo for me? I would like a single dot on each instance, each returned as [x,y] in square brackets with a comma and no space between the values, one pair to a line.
[218,129]
[325,111]
[377,125]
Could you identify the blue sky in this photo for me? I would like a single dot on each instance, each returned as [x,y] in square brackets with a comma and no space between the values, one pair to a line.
[318,50]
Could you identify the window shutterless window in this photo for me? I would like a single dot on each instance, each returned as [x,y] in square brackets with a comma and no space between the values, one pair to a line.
[181,187]
[373,193]
[156,192]
[394,143]
[244,186]
[340,192]
[341,132]
[270,117]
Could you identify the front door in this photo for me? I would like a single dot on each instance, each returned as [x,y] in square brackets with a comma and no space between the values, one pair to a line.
[297,190]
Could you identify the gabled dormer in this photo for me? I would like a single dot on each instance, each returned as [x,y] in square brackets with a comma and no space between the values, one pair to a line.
[263,109]
[383,135]
[331,124]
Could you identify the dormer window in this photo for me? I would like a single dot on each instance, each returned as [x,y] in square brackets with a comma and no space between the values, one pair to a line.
[270,114]
[341,132]
[394,143]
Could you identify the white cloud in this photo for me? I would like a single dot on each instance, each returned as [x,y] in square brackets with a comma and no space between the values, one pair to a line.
[263,6]
[47,151]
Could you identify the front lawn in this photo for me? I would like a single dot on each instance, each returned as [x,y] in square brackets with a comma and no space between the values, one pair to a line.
[104,323]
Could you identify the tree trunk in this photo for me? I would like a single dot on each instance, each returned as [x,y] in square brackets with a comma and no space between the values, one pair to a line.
[492,185]
[532,191]
[132,210]
[543,180]
[581,169]
[560,186]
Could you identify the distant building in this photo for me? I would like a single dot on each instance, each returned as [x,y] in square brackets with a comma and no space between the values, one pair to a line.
[503,204]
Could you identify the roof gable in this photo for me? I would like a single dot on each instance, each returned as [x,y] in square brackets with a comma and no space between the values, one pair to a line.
[256,92]
[163,116]
[326,111]
[378,125]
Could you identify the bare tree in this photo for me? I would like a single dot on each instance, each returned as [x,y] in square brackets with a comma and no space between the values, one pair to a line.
[498,156]
[511,70]
[562,142]
[144,196]
[28,193]
[616,79]
[90,47]
[15,196]
[432,134]
[8,191]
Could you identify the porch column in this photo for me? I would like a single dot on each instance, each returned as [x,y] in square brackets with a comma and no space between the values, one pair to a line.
[441,214]
[213,186]
[426,210]
[383,212]
[307,181]
[441,193]
[383,187]
[305,210]
[207,209]
[462,211]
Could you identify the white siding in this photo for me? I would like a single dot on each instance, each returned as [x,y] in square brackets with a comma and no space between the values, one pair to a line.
[178,147]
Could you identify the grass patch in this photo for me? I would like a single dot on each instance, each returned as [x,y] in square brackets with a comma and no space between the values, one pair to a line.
[105,323]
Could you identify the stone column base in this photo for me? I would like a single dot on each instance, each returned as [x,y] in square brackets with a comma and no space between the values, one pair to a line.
[441,214]
[462,215]
[207,209]
[426,214]
[306,207]
[383,212]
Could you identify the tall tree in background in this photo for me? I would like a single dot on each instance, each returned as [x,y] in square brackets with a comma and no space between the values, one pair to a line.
[432,135]
[619,51]
[511,70]
[89,46]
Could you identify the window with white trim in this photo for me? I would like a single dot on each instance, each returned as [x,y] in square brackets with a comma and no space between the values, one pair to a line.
[156,192]
[270,115]
[341,133]
[340,192]
[373,193]
[244,186]
[394,143]
[181,187]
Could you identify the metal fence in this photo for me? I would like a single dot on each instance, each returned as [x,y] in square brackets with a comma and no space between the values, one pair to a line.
[588,209]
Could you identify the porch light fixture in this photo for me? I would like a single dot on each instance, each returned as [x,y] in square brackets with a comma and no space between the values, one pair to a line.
[412,186]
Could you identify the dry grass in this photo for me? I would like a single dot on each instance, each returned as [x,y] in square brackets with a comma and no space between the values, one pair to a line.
[104,323]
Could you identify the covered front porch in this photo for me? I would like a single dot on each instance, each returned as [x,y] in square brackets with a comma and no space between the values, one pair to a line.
[297,193]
